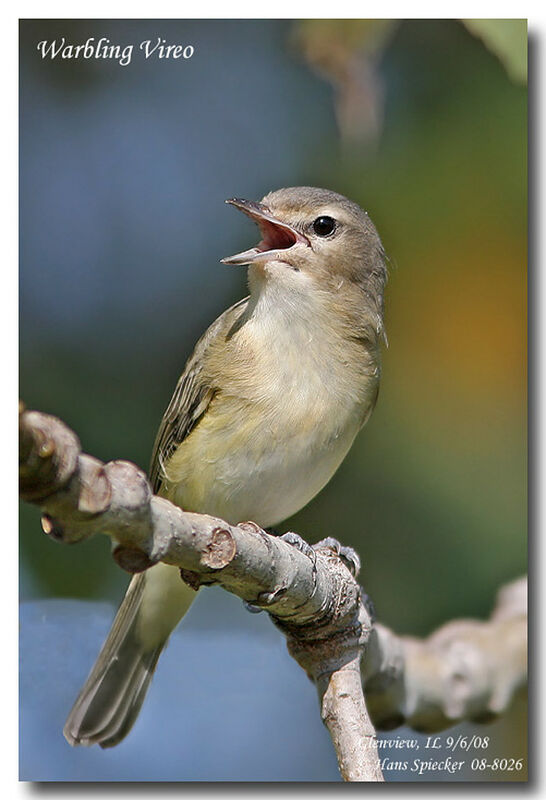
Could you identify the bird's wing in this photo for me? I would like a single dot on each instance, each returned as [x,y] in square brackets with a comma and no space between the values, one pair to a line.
[191,397]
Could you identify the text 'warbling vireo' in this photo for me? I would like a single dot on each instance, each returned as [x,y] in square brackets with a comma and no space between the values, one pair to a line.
[262,416]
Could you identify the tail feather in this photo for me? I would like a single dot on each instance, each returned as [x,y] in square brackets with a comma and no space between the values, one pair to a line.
[108,705]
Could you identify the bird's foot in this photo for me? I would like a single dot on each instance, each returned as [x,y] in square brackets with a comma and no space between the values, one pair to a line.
[348,555]
[300,544]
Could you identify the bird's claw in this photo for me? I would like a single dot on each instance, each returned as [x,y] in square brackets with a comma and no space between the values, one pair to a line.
[300,544]
[348,555]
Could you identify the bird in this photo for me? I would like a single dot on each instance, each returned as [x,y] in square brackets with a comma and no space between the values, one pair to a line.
[265,411]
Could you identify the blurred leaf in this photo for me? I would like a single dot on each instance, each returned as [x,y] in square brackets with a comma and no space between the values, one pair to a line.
[346,52]
[507,39]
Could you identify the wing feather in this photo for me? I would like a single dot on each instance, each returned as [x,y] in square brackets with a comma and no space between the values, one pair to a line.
[192,396]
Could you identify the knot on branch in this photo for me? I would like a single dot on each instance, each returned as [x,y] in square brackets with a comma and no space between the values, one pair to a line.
[219,550]
[48,455]
[322,656]
[131,494]
[341,628]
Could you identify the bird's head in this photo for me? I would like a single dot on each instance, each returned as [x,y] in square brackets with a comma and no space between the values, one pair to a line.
[313,240]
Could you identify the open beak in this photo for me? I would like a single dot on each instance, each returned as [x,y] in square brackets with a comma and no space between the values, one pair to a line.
[276,235]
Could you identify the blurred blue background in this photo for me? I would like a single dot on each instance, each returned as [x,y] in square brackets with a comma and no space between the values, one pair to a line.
[123,174]
[227,703]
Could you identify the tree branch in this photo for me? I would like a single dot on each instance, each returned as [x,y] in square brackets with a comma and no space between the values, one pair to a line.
[467,669]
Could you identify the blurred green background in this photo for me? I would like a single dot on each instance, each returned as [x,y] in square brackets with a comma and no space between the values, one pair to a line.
[123,175]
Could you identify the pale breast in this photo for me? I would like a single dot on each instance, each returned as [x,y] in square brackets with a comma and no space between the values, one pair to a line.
[256,468]
[276,433]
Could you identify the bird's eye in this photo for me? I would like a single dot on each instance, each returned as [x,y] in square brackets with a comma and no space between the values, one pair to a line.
[324,226]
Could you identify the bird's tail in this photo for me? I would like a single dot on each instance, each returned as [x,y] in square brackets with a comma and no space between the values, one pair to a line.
[110,700]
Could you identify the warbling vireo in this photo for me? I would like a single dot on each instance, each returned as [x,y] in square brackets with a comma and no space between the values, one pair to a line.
[262,416]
